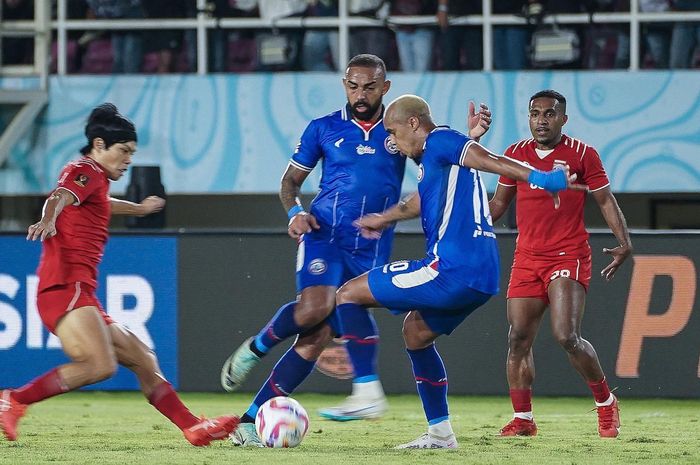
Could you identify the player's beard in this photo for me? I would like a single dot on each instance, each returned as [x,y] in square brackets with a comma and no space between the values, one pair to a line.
[367,114]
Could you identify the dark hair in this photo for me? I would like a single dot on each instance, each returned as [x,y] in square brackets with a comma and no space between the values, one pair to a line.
[549,93]
[107,123]
[366,60]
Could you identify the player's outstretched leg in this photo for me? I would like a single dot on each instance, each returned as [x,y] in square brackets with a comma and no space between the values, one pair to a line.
[367,400]
[289,372]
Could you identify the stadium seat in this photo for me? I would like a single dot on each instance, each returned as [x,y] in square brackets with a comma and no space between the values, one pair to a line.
[98,57]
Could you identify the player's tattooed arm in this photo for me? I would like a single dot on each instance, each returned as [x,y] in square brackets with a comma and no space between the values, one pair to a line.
[618,225]
[300,222]
[46,226]
[151,204]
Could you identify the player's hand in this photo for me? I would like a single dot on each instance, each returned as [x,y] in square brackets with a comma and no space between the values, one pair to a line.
[478,123]
[41,230]
[151,204]
[570,184]
[372,225]
[619,255]
[302,223]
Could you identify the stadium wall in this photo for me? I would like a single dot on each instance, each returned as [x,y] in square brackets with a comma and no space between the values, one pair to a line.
[207,132]
[198,296]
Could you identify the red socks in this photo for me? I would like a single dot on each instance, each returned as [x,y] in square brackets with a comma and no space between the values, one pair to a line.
[165,400]
[521,400]
[47,385]
[600,390]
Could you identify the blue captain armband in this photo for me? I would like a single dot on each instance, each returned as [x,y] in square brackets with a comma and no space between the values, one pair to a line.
[551,181]
[295,210]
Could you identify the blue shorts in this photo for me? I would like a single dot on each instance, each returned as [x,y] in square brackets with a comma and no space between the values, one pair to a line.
[322,262]
[440,297]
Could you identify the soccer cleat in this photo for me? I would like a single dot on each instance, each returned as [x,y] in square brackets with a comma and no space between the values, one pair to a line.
[428,441]
[246,436]
[207,431]
[356,408]
[10,413]
[609,420]
[238,366]
[519,427]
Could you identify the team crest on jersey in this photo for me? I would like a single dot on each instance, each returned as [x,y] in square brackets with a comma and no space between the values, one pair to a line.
[420,172]
[365,150]
[81,180]
[317,266]
[390,147]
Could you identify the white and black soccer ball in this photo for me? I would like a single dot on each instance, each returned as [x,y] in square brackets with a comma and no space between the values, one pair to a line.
[281,422]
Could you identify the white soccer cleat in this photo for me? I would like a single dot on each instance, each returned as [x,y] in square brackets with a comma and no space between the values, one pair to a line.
[246,436]
[238,366]
[428,441]
[356,408]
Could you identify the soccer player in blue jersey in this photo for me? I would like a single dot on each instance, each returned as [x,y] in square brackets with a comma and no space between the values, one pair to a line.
[362,173]
[461,269]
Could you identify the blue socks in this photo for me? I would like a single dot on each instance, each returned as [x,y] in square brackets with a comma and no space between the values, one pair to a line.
[280,327]
[360,331]
[431,382]
[286,376]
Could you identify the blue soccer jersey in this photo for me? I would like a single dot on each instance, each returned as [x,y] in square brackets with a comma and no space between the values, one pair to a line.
[454,208]
[362,173]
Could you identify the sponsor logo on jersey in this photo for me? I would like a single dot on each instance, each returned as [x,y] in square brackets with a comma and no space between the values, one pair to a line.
[420,172]
[390,146]
[317,266]
[81,180]
[339,141]
[365,150]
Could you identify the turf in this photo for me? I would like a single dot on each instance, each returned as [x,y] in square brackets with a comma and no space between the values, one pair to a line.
[121,428]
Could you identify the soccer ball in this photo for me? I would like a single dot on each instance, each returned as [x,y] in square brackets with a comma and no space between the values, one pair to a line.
[281,422]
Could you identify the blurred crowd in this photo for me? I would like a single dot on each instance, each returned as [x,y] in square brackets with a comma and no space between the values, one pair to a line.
[439,45]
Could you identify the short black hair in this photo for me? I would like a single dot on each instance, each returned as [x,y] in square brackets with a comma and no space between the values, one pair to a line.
[549,93]
[366,60]
[107,123]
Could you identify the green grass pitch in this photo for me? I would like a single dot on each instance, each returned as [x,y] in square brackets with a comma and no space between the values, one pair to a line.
[121,428]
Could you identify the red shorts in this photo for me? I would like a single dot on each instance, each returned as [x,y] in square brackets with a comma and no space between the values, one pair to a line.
[530,276]
[55,302]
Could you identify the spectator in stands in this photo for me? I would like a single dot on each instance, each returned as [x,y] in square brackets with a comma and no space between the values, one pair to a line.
[233,50]
[459,41]
[657,36]
[320,49]
[415,43]
[127,45]
[510,42]
[280,51]
[166,43]
[17,50]
[686,36]
[377,41]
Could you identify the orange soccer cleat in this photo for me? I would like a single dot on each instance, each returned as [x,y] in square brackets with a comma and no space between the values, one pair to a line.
[609,420]
[207,431]
[10,413]
[519,427]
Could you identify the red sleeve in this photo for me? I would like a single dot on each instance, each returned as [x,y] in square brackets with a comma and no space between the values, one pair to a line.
[594,175]
[504,180]
[80,179]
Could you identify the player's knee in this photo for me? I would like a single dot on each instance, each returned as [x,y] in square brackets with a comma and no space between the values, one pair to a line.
[519,340]
[310,346]
[100,368]
[309,314]
[569,341]
[344,295]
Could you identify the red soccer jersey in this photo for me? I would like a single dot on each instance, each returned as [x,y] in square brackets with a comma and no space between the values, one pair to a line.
[542,230]
[74,253]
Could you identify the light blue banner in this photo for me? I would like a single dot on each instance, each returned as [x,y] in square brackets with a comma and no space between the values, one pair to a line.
[137,288]
[235,133]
